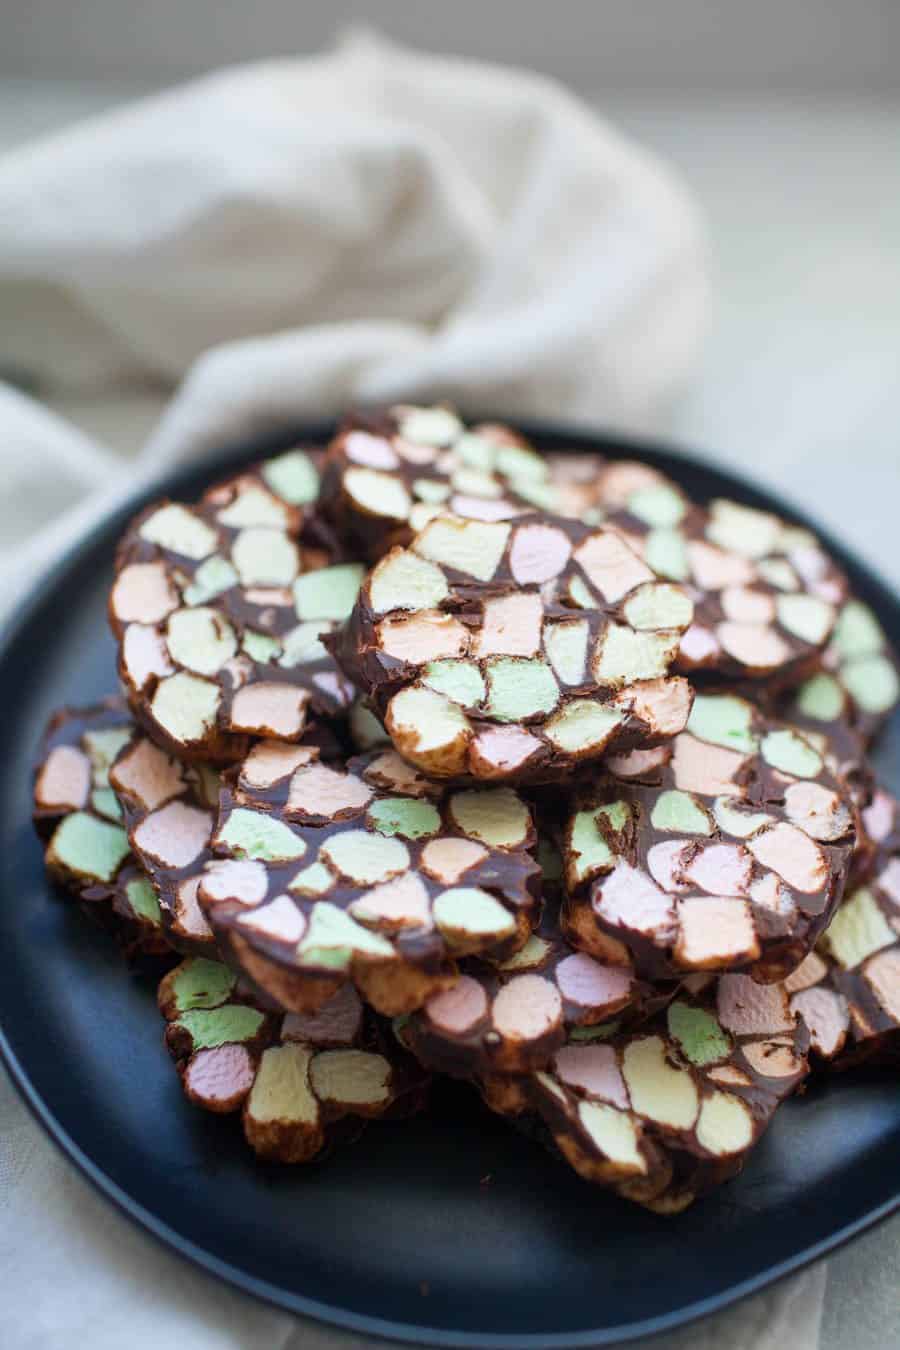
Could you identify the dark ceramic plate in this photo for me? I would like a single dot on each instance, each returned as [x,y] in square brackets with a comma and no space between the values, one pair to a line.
[450,1229]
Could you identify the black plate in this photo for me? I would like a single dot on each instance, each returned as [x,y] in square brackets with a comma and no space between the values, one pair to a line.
[450,1229]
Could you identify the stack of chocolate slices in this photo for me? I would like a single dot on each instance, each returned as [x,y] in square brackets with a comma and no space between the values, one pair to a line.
[437,755]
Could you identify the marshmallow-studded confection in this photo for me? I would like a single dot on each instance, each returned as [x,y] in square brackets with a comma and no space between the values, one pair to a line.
[367,873]
[848,990]
[76,813]
[294,1078]
[517,650]
[667,1110]
[219,609]
[725,850]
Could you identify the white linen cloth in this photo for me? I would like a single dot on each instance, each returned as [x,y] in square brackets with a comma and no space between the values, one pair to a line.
[285,238]
[274,242]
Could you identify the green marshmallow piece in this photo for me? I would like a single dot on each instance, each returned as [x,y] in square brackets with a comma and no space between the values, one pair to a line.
[177,529]
[430,426]
[142,899]
[211,578]
[790,753]
[516,463]
[601,1032]
[581,594]
[872,683]
[659,606]
[476,451]
[293,476]
[102,747]
[228,1025]
[186,706]
[590,851]
[251,834]
[582,725]
[520,688]
[626,655]
[857,930]
[723,719]
[327,958]
[532,954]
[808,617]
[698,1033]
[660,507]
[106,803]
[857,631]
[431,491]
[254,506]
[333,936]
[202,984]
[617,813]
[260,647]
[666,554]
[302,645]
[678,812]
[89,846]
[467,912]
[566,646]
[313,880]
[406,816]
[200,639]
[820,698]
[538,493]
[329,593]
[737,822]
[265,557]
[460,681]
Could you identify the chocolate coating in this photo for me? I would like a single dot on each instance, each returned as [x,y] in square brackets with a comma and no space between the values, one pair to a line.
[516,650]
[848,989]
[218,609]
[728,850]
[369,874]
[77,817]
[665,1112]
[293,1079]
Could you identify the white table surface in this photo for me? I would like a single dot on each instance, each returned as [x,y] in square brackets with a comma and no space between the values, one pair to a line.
[799,387]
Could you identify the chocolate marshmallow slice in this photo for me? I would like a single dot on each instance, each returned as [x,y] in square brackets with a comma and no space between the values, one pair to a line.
[766,596]
[516,651]
[663,1112]
[729,852]
[388,472]
[511,1016]
[169,811]
[365,873]
[850,698]
[219,609]
[79,819]
[848,990]
[293,1078]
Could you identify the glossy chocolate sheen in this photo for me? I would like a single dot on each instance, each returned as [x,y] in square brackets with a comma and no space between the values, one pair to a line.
[848,989]
[512,1016]
[669,1110]
[233,562]
[539,578]
[436,845]
[68,759]
[338,1063]
[678,865]
[765,593]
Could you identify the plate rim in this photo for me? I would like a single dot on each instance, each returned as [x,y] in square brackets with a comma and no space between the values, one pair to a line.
[230,455]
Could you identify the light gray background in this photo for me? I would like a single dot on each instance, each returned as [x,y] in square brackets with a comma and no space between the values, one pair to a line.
[784,119]
[811,45]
